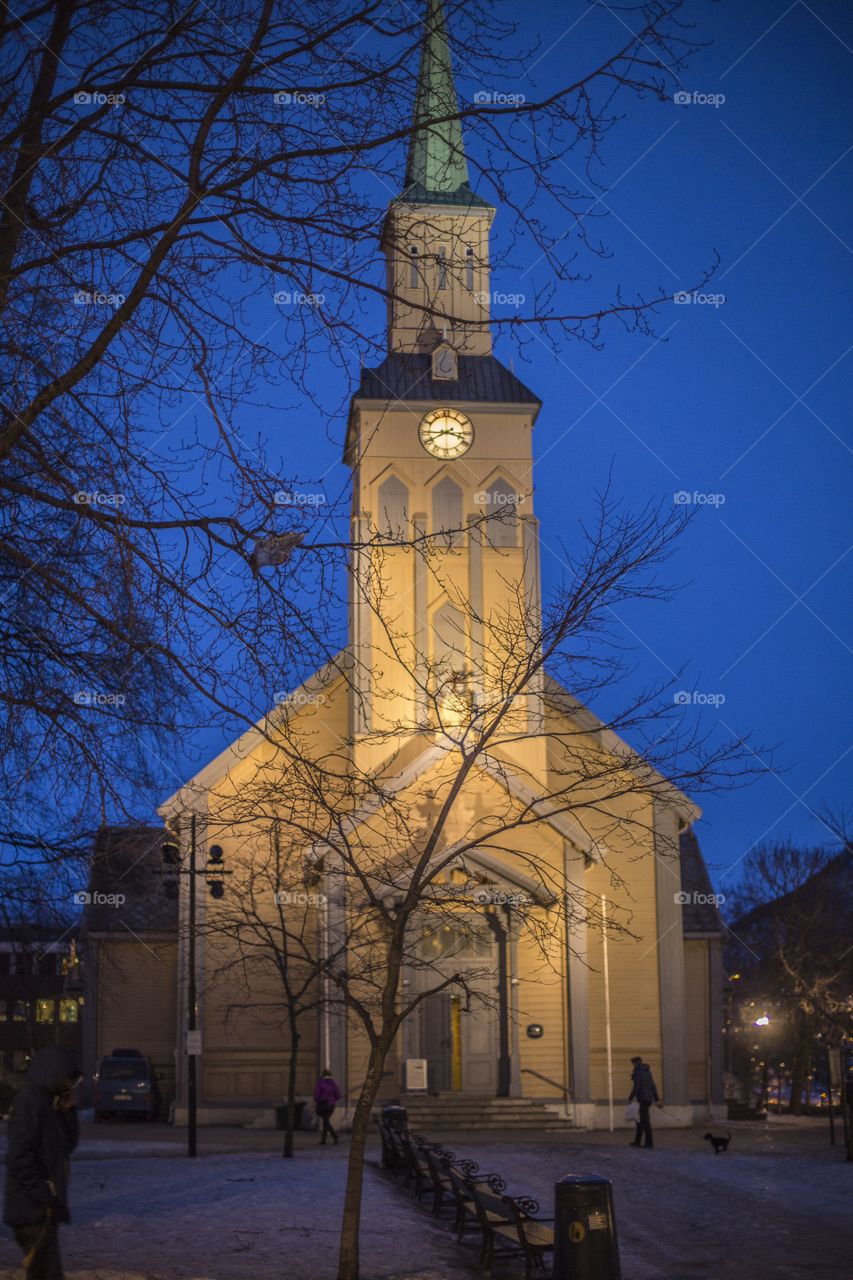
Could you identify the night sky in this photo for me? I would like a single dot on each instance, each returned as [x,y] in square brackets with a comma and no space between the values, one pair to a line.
[741,397]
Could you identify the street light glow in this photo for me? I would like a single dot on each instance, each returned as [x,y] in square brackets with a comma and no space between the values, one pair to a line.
[763,1021]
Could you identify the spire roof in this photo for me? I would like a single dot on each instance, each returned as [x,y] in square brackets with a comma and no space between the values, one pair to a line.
[437,170]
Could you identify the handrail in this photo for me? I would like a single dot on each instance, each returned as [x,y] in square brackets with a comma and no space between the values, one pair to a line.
[564,1088]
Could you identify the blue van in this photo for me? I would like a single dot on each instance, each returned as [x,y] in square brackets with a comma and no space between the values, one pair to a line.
[126,1084]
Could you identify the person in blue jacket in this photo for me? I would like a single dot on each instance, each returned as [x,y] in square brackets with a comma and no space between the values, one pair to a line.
[42,1132]
[644,1091]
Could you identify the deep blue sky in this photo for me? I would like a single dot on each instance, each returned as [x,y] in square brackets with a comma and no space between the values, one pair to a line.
[749,400]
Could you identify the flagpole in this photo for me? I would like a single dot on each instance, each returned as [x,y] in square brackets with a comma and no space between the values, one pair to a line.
[608,1038]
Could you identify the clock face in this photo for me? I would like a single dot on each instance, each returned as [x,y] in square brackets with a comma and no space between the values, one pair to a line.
[446,433]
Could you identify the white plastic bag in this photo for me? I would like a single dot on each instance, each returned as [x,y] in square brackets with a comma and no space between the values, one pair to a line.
[632,1112]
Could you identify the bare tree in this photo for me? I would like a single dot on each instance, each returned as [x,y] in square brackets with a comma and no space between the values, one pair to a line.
[790,942]
[181,186]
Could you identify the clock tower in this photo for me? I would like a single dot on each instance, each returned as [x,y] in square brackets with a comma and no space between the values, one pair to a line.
[440,446]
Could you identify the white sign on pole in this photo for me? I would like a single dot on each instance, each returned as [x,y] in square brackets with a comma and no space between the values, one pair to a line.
[193,1043]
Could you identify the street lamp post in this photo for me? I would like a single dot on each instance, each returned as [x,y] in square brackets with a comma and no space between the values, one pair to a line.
[171,866]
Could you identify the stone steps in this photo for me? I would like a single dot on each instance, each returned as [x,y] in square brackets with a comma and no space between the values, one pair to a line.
[452,1112]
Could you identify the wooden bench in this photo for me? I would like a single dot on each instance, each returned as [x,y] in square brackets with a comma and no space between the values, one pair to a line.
[462,1177]
[510,1226]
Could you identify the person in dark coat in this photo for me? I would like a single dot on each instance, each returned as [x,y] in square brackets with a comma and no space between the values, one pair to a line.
[326,1097]
[42,1133]
[644,1091]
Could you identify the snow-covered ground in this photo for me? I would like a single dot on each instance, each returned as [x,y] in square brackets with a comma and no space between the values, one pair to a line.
[776,1205]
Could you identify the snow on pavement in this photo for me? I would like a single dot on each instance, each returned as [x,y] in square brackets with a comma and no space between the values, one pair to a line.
[775,1207]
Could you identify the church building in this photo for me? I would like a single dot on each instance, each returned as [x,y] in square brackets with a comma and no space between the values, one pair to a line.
[569,925]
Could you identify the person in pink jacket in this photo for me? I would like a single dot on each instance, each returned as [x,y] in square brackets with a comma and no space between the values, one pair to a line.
[326,1097]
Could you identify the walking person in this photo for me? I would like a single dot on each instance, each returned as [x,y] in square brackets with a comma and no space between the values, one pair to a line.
[644,1092]
[42,1133]
[326,1097]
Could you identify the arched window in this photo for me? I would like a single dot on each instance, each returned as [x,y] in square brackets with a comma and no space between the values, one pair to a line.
[469,268]
[414,268]
[442,268]
[448,638]
[393,507]
[447,510]
[501,507]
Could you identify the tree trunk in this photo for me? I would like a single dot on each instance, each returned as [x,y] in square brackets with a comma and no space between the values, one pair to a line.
[801,1064]
[290,1119]
[348,1257]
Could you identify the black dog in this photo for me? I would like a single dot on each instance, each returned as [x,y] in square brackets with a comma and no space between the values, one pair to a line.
[719,1144]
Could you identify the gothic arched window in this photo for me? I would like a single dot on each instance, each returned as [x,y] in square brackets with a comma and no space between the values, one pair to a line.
[501,506]
[414,268]
[447,510]
[393,514]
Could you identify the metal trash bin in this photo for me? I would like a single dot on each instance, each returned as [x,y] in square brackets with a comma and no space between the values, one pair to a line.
[397,1118]
[585,1245]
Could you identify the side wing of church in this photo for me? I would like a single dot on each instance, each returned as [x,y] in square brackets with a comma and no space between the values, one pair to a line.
[440,446]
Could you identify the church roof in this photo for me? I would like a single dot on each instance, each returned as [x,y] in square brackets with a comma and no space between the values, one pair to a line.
[482,379]
[699,912]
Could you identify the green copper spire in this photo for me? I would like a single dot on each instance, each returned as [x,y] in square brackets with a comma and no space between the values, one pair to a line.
[436,164]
